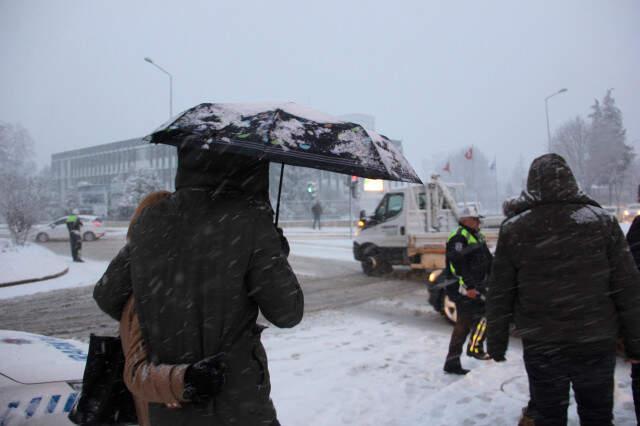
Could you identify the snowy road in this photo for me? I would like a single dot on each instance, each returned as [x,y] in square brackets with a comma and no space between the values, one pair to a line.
[70,311]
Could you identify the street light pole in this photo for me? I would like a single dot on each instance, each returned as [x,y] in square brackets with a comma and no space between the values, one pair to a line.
[546,110]
[147,59]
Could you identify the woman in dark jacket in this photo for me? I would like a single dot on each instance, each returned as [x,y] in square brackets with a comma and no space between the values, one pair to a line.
[203,263]
[633,238]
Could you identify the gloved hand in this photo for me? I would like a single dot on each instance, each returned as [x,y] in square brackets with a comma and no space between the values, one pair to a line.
[283,242]
[472,293]
[204,379]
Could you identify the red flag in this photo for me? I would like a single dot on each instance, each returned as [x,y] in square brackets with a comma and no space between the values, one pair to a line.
[469,154]
[447,167]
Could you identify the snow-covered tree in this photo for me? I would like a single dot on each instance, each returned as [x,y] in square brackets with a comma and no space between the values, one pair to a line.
[571,140]
[21,192]
[137,186]
[609,155]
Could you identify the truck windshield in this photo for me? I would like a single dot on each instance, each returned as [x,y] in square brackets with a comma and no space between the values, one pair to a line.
[390,206]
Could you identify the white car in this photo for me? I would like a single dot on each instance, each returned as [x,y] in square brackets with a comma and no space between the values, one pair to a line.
[40,378]
[92,229]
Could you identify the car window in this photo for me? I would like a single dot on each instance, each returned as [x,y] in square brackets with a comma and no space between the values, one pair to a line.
[422,201]
[381,210]
[394,205]
[60,221]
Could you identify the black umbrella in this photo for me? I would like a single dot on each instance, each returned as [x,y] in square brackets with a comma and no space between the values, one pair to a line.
[288,133]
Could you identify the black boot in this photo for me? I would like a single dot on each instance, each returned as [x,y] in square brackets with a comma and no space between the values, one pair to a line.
[454,367]
[480,354]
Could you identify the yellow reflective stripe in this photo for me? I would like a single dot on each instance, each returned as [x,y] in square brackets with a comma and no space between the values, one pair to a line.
[478,335]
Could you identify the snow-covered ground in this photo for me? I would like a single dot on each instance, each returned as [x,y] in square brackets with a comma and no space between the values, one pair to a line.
[381,364]
[31,261]
[79,274]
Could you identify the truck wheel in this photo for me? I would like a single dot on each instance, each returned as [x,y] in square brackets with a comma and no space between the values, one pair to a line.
[375,268]
[449,309]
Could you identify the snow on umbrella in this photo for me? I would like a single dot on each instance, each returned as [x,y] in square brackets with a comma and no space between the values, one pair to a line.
[288,133]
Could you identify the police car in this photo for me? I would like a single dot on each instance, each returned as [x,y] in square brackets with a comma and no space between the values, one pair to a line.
[40,378]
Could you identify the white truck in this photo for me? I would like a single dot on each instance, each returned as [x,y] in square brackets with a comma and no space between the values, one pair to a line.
[410,227]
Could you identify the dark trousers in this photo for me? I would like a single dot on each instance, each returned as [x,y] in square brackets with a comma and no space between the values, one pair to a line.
[470,314]
[553,369]
[76,245]
[316,220]
[635,388]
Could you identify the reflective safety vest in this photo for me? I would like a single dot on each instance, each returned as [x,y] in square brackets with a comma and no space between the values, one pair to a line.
[471,240]
[72,218]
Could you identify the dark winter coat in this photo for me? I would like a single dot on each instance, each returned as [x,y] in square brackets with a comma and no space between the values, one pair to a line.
[472,262]
[562,268]
[202,263]
[633,239]
[316,209]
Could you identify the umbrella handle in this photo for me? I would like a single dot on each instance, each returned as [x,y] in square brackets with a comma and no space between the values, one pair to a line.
[279,192]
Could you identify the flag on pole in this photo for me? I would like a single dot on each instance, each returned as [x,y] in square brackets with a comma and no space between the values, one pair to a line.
[492,166]
[469,154]
[447,167]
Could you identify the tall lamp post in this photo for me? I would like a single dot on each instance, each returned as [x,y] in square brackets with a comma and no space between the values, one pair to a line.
[546,109]
[170,84]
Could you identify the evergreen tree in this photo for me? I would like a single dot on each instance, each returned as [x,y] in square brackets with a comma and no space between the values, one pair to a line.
[609,155]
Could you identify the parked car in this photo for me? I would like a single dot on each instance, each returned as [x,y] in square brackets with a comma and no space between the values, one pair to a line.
[40,378]
[630,212]
[92,229]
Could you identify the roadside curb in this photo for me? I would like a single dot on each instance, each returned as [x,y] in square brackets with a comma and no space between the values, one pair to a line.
[33,280]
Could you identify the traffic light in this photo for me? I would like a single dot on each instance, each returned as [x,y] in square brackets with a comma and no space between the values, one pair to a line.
[311,188]
[354,186]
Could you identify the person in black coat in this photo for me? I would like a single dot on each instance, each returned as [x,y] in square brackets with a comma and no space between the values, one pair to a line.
[202,264]
[564,274]
[633,239]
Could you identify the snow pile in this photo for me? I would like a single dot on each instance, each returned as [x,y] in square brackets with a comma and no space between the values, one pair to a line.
[27,262]
[79,275]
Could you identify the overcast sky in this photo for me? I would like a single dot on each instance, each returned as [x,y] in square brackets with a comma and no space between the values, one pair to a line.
[439,75]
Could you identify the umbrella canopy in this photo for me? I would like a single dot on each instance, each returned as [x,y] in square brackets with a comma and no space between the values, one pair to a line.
[288,133]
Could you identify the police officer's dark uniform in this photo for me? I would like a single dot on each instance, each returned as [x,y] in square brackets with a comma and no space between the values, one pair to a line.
[468,261]
[75,236]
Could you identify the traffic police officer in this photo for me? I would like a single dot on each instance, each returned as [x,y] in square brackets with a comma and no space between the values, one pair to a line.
[468,264]
[75,236]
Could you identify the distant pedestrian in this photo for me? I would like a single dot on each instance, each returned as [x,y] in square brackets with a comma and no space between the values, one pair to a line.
[468,265]
[74,225]
[316,211]
[564,273]
[633,239]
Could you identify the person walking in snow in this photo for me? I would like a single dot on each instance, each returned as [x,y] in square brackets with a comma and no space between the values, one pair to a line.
[316,211]
[203,263]
[74,225]
[468,263]
[564,273]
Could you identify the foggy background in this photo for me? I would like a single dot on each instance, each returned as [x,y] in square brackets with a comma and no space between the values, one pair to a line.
[440,76]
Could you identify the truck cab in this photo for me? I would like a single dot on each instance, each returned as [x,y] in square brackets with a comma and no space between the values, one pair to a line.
[403,218]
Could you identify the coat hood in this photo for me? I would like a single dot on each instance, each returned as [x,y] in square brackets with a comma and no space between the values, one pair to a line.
[550,181]
[225,173]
